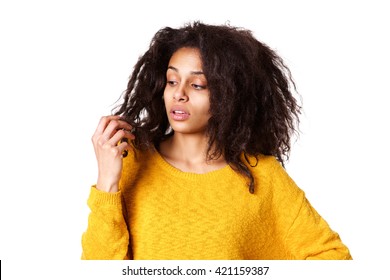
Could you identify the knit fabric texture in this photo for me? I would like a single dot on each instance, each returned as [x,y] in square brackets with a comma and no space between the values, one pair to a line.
[162,213]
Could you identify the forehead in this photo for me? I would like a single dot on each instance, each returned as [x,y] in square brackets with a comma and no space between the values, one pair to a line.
[186,59]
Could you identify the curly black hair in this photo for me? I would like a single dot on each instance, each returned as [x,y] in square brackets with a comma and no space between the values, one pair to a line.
[252,105]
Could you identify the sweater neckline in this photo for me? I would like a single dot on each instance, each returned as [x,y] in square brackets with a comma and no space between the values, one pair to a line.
[165,165]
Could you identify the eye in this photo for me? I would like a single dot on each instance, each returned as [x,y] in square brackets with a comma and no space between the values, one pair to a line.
[171,83]
[198,87]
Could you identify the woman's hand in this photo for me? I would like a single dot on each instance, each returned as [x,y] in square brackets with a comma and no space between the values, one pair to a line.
[109,132]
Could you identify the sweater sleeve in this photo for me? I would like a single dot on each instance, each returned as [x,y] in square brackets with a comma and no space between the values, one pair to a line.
[107,236]
[304,233]
[310,237]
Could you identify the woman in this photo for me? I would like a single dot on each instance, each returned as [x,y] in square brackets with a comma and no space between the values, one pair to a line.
[191,163]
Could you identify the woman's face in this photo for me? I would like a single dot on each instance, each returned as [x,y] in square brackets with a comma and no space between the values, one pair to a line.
[186,94]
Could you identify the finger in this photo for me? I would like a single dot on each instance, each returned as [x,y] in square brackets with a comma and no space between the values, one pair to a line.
[112,127]
[120,135]
[124,125]
[123,149]
[129,135]
[103,123]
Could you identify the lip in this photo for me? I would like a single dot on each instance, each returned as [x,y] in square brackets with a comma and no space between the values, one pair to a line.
[179,113]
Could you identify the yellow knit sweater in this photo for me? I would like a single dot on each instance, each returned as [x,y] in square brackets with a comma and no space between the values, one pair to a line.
[161,212]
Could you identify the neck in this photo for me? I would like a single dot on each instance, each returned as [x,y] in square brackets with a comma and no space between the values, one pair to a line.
[188,147]
[188,152]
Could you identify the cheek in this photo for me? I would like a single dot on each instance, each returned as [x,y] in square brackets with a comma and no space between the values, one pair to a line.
[206,110]
[165,97]
[206,106]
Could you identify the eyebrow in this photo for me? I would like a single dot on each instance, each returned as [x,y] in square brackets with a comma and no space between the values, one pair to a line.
[192,72]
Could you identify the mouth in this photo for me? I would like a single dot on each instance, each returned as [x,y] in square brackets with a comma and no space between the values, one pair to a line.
[179,114]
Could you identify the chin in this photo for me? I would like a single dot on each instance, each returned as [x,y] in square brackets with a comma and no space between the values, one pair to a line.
[188,130]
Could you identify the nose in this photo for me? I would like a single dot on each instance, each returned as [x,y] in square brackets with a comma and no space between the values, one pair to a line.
[180,94]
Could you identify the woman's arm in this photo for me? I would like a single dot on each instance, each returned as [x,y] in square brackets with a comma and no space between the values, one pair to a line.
[311,238]
[306,235]
[107,236]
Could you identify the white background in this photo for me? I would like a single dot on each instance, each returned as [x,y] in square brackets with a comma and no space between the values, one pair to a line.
[63,64]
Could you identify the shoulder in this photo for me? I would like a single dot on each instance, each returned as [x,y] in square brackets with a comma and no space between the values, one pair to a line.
[269,174]
[264,166]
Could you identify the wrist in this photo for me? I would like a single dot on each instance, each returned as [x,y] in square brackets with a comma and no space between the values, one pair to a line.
[110,187]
